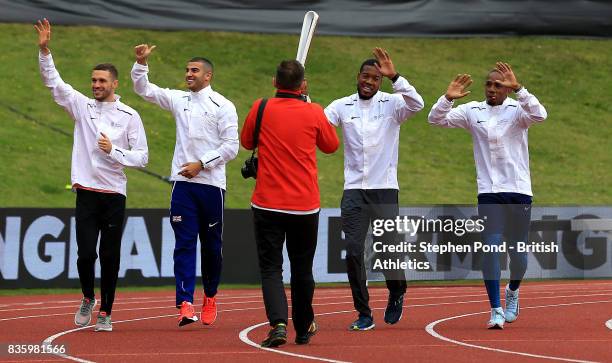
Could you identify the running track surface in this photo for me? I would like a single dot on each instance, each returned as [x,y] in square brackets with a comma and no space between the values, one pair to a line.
[559,321]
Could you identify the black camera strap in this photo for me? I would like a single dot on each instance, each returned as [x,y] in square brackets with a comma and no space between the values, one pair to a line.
[260,111]
[281,94]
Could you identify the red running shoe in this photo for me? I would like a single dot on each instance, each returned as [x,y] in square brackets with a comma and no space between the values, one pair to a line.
[187,314]
[209,310]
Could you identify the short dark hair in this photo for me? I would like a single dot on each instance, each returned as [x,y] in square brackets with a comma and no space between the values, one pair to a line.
[289,74]
[109,68]
[494,70]
[368,62]
[204,61]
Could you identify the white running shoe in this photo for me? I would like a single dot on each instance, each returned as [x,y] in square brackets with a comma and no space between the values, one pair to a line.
[512,304]
[497,319]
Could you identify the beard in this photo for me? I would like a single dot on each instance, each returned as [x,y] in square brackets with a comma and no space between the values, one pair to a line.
[361,96]
[101,97]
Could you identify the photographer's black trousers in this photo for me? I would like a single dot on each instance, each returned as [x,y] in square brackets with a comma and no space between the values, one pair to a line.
[359,207]
[99,214]
[300,232]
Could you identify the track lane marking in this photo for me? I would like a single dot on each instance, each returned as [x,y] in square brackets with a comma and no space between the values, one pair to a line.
[348,311]
[320,304]
[243,335]
[430,329]
[409,296]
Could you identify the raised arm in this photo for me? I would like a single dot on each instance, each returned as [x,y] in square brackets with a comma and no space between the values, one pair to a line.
[531,110]
[44,35]
[442,113]
[63,94]
[412,100]
[149,91]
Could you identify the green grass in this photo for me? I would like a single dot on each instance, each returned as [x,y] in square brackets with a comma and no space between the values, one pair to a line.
[570,153]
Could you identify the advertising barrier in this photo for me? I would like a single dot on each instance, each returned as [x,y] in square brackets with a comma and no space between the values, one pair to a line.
[38,246]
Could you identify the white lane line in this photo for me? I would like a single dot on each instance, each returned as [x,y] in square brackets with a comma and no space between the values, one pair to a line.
[158,354]
[609,324]
[223,302]
[321,304]
[413,290]
[536,340]
[535,285]
[337,312]
[49,340]
[123,300]
[75,303]
[172,307]
[243,335]
[72,301]
[430,329]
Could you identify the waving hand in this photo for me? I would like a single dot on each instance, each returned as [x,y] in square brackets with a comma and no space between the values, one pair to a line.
[457,88]
[44,35]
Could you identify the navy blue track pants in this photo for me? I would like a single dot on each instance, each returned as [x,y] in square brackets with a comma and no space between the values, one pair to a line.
[197,210]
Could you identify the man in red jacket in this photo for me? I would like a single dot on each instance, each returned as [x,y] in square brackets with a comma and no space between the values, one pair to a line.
[286,200]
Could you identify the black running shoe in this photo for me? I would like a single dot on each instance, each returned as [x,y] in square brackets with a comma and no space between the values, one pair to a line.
[305,338]
[395,308]
[277,336]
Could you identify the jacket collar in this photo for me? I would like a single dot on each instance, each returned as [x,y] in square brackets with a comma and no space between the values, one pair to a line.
[201,94]
[102,105]
[507,102]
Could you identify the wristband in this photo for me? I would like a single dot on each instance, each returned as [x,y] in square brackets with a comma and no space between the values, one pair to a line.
[395,78]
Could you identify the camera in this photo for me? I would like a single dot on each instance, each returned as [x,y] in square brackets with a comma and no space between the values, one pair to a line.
[249,170]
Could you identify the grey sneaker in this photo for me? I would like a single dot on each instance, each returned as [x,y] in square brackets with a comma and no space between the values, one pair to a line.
[83,315]
[104,322]
[512,304]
